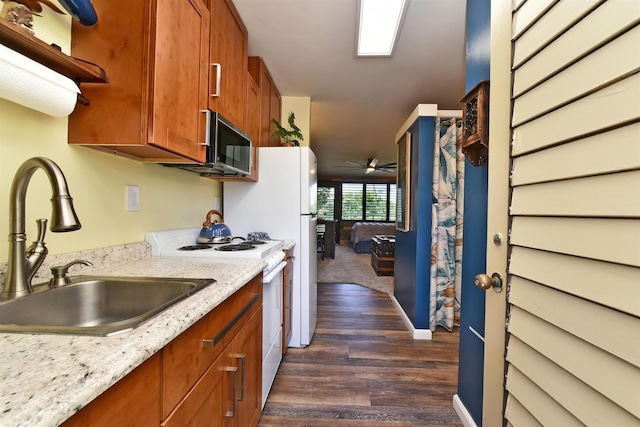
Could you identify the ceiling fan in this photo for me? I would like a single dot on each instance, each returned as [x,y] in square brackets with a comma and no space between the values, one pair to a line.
[373,165]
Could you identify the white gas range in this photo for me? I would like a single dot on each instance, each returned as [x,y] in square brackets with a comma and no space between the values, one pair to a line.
[182,243]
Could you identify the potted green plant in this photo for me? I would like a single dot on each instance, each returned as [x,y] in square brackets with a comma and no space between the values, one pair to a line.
[291,136]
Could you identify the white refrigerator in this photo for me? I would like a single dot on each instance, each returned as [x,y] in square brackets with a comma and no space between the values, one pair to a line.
[283,203]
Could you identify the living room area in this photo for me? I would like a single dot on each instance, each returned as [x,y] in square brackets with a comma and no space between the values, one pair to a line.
[356,223]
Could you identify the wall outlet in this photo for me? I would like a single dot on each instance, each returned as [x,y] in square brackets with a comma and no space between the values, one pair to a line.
[133,198]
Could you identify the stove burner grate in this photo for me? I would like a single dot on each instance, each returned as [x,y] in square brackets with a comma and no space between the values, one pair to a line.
[235,247]
[194,247]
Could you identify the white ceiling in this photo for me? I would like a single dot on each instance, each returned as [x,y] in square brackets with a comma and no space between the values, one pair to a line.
[358,104]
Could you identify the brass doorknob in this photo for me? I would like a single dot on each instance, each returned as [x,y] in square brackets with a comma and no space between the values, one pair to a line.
[484,282]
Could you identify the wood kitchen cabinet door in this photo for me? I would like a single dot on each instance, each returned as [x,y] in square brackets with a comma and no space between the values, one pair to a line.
[156,56]
[132,401]
[270,102]
[275,113]
[253,123]
[287,295]
[246,356]
[253,130]
[204,405]
[228,56]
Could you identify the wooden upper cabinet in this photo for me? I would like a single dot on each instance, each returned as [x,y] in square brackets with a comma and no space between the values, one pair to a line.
[156,56]
[270,102]
[275,113]
[228,63]
[253,123]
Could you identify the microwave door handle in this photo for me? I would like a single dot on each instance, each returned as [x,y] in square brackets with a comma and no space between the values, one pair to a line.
[207,133]
[216,94]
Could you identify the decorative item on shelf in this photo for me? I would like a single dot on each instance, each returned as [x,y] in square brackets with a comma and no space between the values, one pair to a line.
[475,135]
[81,10]
[20,12]
[290,137]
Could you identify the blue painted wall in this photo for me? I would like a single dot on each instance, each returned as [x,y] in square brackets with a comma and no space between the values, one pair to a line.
[471,357]
[413,248]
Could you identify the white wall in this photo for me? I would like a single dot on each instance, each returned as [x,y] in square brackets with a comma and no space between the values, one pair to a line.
[169,198]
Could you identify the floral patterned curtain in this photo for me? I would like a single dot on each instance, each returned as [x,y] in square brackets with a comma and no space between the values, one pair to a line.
[446,225]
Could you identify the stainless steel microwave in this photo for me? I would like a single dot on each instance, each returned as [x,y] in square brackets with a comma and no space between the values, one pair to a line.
[229,150]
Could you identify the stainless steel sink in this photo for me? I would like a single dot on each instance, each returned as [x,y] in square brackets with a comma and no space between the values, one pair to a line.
[95,305]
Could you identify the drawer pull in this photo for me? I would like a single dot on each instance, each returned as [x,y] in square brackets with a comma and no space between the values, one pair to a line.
[206,343]
[234,371]
[243,365]
[216,94]
[207,126]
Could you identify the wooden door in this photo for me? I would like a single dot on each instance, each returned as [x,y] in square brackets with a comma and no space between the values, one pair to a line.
[266,89]
[246,356]
[253,123]
[275,112]
[572,349]
[132,401]
[203,404]
[178,90]
[229,49]
[287,294]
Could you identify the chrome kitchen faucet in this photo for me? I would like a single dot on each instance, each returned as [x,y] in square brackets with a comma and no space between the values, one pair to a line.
[24,262]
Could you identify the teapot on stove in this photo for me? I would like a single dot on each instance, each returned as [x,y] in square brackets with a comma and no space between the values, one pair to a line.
[214,231]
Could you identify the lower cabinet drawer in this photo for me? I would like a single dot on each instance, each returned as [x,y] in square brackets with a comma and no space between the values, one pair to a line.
[229,391]
[191,354]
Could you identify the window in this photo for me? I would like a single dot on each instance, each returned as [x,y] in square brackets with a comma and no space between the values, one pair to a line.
[376,206]
[368,201]
[352,201]
[326,202]
[392,202]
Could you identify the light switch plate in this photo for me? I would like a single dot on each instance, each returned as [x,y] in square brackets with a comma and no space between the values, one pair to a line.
[133,198]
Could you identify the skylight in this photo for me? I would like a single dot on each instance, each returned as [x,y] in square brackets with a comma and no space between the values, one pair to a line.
[378,26]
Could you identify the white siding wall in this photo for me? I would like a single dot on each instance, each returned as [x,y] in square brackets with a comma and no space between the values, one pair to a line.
[573,348]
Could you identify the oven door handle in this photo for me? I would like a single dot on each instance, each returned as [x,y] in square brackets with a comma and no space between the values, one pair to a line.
[278,268]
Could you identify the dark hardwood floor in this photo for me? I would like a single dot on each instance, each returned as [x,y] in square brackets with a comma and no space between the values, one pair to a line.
[363,369]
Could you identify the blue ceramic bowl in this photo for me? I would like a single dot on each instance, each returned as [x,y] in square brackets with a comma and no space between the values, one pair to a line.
[81,10]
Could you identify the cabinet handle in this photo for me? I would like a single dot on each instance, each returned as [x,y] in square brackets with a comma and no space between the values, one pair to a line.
[234,371]
[279,293]
[216,94]
[207,128]
[208,343]
[289,289]
[243,364]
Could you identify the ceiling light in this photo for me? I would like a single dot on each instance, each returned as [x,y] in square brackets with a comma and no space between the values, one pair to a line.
[379,23]
[371,165]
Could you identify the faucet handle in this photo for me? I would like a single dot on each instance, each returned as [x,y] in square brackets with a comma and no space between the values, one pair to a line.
[60,276]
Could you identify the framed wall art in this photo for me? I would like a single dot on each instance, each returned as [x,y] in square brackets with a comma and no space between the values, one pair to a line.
[403,183]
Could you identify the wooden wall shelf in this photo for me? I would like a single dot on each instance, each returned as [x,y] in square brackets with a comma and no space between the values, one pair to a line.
[34,48]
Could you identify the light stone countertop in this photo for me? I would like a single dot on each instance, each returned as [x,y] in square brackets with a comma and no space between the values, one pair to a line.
[288,244]
[45,379]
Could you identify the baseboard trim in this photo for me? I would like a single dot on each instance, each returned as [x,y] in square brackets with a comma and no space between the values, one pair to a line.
[417,334]
[462,412]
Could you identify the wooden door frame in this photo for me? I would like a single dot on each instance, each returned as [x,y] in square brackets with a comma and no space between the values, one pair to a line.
[497,212]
